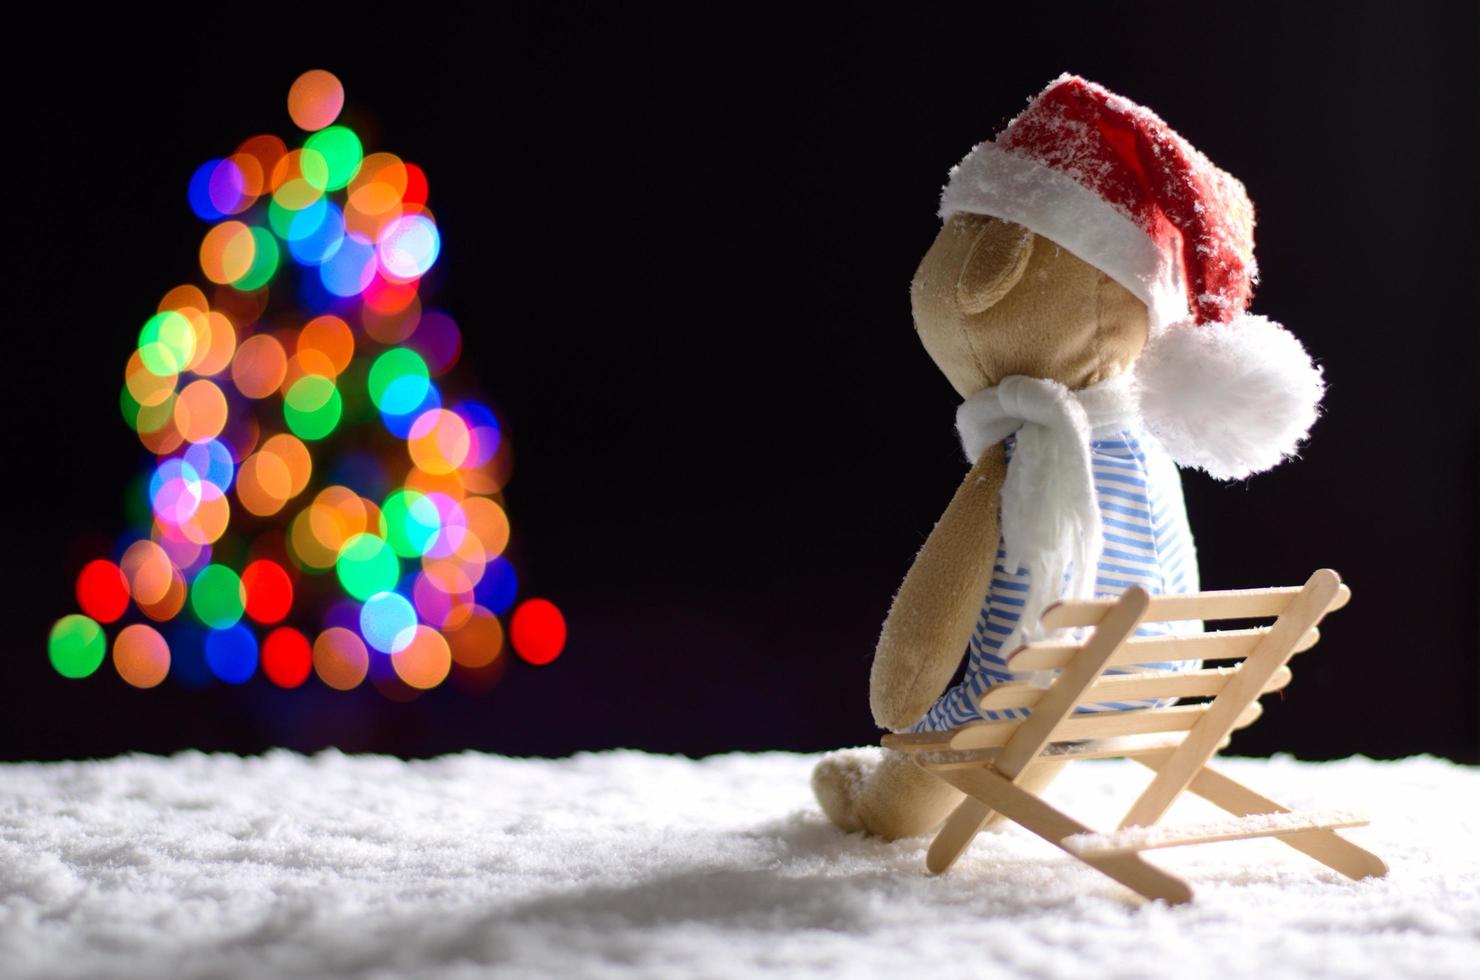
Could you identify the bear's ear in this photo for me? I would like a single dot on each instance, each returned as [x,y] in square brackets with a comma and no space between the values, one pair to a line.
[994,264]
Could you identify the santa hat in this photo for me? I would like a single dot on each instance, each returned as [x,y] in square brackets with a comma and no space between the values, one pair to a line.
[1224,390]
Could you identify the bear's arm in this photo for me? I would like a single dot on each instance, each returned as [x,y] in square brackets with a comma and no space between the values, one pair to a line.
[935,610]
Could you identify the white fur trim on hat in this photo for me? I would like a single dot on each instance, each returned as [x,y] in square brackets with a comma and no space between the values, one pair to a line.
[1233,399]
[997,182]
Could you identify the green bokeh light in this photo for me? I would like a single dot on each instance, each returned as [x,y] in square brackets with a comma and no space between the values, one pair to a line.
[167,343]
[265,259]
[312,407]
[314,166]
[411,522]
[279,218]
[129,406]
[392,366]
[217,597]
[76,646]
[342,154]
[367,565]
[152,418]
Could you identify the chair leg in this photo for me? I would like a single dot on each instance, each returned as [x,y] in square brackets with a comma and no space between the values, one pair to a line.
[1325,846]
[995,792]
[971,815]
[959,830]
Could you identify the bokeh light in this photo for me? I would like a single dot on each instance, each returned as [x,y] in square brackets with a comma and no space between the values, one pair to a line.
[269,591]
[263,484]
[102,591]
[169,604]
[342,153]
[411,521]
[200,411]
[265,259]
[167,343]
[322,491]
[259,366]
[231,653]
[425,660]
[312,407]
[351,269]
[330,336]
[148,570]
[398,381]
[287,658]
[211,460]
[340,658]
[478,641]
[198,193]
[141,656]
[315,99]
[408,246]
[76,646]
[217,597]
[439,441]
[388,622]
[537,631]
[367,565]
[227,252]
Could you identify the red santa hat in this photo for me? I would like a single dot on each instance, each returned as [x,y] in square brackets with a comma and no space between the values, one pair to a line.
[1224,390]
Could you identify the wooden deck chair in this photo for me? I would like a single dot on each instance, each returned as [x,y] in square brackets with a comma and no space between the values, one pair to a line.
[1000,765]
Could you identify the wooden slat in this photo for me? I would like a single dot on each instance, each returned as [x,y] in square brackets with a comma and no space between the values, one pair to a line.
[1118,747]
[971,815]
[990,734]
[1133,840]
[1325,846]
[1216,645]
[913,742]
[1224,712]
[997,793]
[1032,735]
[1205,683]
[1229,604]
[956,833]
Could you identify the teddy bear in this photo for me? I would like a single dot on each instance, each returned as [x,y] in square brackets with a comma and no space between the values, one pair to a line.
[1086,296]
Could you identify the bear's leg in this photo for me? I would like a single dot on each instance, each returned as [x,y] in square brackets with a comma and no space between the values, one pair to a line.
[885,793]
[881,792]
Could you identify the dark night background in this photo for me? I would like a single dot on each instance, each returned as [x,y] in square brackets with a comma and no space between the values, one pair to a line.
[680,245]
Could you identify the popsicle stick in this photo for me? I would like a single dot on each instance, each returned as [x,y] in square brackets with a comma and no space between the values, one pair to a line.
[1229,604]
[1204,683]
[1135,839]
[1217,645]
[1303,612]
[1100,724]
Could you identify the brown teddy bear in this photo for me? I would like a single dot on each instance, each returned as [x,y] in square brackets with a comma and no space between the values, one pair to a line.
[1086,297]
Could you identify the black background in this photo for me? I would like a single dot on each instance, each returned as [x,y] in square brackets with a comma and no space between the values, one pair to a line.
[679,244]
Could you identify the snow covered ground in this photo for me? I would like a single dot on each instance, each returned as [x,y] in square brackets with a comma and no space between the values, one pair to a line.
[631,865]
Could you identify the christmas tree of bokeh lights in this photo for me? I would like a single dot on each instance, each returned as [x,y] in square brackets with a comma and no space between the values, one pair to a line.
[323,500]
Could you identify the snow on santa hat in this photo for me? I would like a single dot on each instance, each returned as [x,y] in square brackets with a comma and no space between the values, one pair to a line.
[1224,390]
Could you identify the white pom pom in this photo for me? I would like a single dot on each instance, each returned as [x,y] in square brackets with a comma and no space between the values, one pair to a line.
[1229,398]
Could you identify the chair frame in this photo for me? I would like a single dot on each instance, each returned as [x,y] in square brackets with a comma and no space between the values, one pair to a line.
[1001,766]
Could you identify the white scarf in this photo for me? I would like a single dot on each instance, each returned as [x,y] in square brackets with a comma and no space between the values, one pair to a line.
[1050,511]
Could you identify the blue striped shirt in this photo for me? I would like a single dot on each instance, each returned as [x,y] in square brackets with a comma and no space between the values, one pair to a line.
[1147,543]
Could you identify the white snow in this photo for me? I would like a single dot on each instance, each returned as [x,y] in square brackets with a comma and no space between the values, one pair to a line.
[624,864]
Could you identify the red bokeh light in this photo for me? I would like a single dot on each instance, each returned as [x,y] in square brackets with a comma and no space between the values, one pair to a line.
[416,185]
[102,591]
[269,591]
[286,657]
[537,631]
